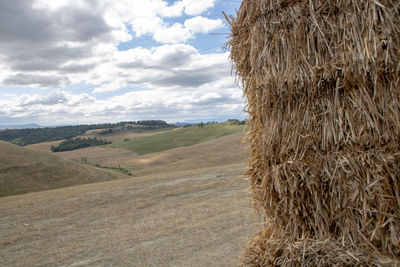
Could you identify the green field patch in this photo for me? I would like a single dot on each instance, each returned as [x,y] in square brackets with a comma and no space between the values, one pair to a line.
[186,136]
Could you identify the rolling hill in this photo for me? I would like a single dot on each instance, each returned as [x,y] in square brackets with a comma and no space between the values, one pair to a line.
[191,218]
[35,168]
[186,136]
[220,151]
[185,206]
[23,170]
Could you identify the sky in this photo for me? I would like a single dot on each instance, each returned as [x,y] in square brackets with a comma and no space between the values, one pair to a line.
[95,61]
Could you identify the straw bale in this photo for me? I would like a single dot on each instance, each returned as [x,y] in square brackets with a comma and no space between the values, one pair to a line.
[322,81]
[266,249]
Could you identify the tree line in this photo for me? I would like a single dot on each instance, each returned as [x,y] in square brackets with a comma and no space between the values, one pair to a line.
[76,143]
[25,137]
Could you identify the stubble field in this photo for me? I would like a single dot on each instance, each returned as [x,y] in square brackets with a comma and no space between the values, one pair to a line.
[186,206]
[192,218]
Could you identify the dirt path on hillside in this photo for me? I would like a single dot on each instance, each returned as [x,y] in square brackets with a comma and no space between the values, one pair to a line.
[182,219]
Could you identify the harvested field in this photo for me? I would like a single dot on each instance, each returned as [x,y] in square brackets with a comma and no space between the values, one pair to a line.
[186,136]
[218,152]
[121,136]
[178,219]
[117,137]
[24,170]
[45,146]
[98,154]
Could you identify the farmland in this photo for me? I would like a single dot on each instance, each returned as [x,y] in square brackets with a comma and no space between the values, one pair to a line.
[177,149]
[23,170]
[192,218]
[183,137]
[184,205]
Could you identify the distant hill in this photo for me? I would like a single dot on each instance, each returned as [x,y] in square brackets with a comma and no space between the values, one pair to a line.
[28,136]
[23,126]
[221,151]
[23,170]
[182,124]
[205,120]
[186,136]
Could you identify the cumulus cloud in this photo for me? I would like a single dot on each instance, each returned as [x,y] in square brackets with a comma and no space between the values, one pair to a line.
[177,65]
[190,77]
[112,86]
[195,7]
[147,18]
[54,98]
[160,58]
[34,40]
[76,68]
[35,80]
[54,44]
[65,38]
[181,33]
[173,34]
[212,99]
[202,25]
[188,71]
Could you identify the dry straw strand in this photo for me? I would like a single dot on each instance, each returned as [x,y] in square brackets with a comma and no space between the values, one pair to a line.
[323,96]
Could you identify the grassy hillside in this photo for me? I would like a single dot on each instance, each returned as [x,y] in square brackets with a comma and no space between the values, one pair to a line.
[23,170]
[183,137]
[118,136]
[220,151]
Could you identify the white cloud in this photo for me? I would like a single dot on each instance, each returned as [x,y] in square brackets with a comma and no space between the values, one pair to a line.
[196,7]
[56,97]
[52,5]
[148,104]
[174,10]
[76,42]
[142,26]
[62,42]
[38,80]
[174,55]
[178,33]
[175,34]
[113,86]
[202,25]
[217,96]
[147,18]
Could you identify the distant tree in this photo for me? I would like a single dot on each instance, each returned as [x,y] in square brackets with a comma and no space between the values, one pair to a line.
[107,131]
[233,121]
[72,144]
[236,122]
[153,123]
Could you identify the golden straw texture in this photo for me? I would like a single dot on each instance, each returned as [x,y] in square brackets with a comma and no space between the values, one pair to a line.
[322,81]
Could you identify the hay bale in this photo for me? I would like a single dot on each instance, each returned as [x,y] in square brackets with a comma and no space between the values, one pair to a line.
[322,81]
